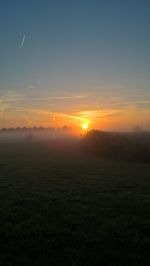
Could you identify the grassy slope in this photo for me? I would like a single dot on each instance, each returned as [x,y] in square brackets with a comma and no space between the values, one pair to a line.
[64,209]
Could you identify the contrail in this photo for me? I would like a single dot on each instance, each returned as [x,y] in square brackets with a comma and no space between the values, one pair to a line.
[23,40]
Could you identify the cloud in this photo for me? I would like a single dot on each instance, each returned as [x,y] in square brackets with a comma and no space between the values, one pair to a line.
[28,98]
[120,103]
[92,114]
[52,115]
[78,116]
[22,41]
[31,87]
[58,98]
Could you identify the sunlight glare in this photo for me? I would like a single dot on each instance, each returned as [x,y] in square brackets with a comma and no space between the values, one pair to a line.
[84,126]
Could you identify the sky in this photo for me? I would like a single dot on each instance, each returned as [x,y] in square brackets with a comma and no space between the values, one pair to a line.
[63,62]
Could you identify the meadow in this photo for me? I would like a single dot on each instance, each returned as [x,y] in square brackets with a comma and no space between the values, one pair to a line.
[61,206]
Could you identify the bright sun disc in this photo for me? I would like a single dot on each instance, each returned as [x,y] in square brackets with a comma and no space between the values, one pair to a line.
[85,126]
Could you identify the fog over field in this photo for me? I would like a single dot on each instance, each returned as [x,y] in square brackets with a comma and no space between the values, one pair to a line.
[34,134]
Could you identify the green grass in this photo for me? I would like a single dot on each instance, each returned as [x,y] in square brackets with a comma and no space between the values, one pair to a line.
[63,208]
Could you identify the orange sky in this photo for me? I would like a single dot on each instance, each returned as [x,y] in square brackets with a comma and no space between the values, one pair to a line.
[109,111]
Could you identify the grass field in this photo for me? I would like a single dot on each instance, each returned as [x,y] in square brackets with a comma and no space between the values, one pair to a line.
[65,208]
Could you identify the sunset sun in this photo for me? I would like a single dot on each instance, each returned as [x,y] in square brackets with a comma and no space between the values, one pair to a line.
[85,126]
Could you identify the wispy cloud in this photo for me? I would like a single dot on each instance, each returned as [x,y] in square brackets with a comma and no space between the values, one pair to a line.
[128,103]
[57,98]
[78,116]
[45,113]
[92,114]
[31,87]
[22,41]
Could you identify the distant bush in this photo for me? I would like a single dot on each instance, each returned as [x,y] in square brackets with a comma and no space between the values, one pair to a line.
[127,146]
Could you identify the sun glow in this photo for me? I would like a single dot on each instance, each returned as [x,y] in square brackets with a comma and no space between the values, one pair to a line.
[85,126]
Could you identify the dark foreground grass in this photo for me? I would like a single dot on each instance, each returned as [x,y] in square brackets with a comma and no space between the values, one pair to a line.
[62,208]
